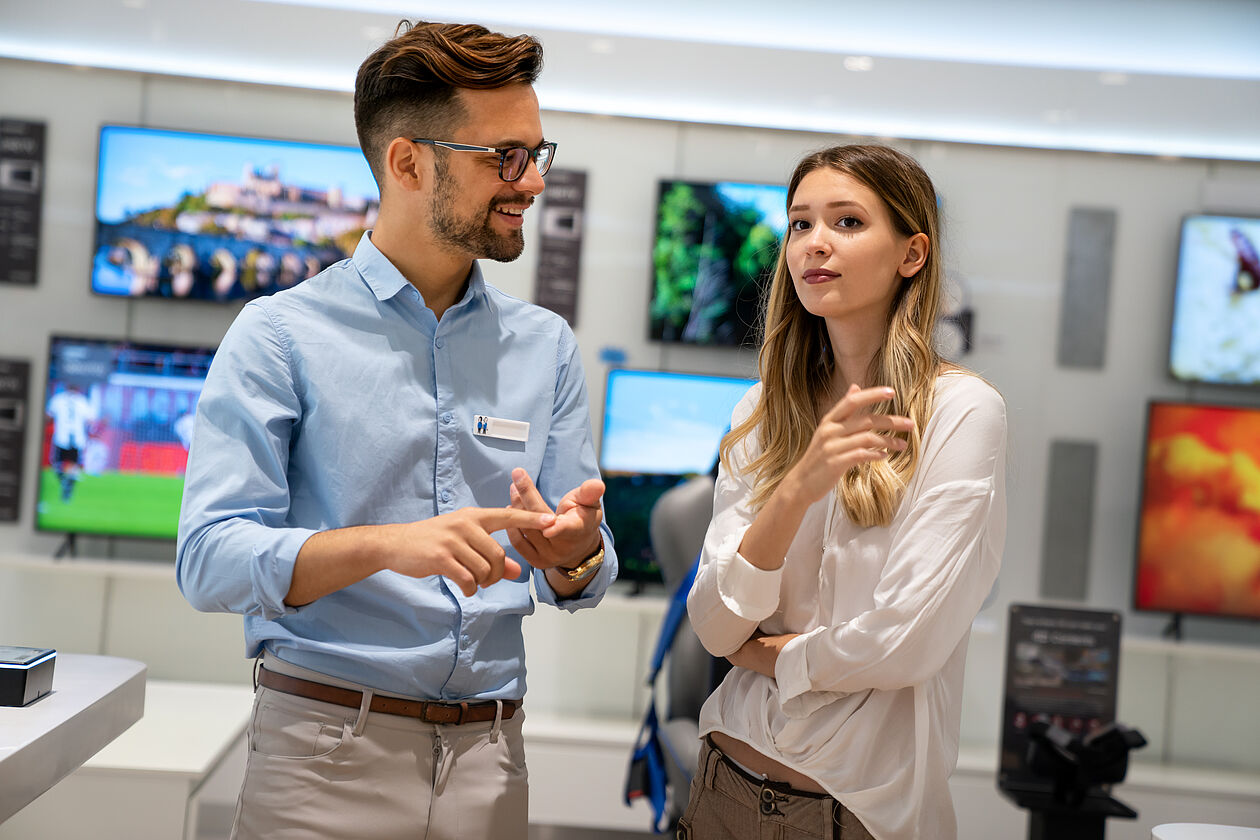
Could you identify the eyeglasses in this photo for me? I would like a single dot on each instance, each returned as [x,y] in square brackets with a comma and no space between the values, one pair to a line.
[513,160]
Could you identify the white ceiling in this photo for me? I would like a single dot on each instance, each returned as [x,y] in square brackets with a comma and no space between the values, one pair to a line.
[1166,77]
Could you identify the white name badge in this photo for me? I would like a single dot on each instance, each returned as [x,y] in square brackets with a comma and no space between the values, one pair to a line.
[497,427]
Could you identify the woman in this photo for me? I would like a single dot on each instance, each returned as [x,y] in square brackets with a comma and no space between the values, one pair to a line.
[858,524]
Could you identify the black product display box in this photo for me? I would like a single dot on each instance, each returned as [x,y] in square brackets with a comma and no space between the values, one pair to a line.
[26,674]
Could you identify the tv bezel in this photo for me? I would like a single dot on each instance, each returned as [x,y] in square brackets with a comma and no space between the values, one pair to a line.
[96,197]
[43,425]
[1172,315]
[1137,538]
[750,335]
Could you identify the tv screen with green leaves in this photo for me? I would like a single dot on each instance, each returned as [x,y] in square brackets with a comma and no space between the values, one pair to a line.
[714,250]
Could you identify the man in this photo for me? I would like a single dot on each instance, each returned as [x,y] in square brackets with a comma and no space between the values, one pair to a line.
[359,439]
[71,413]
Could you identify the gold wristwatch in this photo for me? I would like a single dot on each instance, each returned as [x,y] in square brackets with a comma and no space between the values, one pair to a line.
[587,567]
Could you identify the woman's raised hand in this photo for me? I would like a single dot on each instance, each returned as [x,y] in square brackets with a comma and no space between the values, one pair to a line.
[848,435]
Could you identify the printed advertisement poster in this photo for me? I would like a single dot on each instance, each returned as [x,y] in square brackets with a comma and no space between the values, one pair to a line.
[1061,667]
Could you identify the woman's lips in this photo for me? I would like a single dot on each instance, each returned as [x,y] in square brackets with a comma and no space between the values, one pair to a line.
[818,275]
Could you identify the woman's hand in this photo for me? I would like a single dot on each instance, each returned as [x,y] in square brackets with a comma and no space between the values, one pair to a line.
[847,435]
[760,652]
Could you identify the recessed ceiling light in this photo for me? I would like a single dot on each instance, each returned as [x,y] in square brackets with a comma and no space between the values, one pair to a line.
[858,63]
[1112,78]
[602,46]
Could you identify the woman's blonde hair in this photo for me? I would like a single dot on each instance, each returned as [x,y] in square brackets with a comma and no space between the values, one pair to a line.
[796,363]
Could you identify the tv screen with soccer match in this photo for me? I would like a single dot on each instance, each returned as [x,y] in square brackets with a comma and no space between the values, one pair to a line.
[118,421]
[192,216]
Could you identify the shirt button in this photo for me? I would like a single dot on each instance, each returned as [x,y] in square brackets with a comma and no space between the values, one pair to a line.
[415,295]
[464,640]
[446,495]
[447,418]
[439,343]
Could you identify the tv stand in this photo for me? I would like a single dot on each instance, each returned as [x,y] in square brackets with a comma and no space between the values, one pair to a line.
[67,548]
[1173,629]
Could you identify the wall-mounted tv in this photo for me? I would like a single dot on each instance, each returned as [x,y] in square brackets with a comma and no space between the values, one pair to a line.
[193,216]
[118,421]
[660,427]
[1216,309]
[1198,543]
[715,247]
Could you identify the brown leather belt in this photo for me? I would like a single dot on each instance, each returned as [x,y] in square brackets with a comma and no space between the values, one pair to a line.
[426,710]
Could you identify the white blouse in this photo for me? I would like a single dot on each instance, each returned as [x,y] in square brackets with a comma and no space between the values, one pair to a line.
[867,700]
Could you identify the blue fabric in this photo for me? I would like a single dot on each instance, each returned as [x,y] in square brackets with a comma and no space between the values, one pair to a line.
[647,775]
[344,401]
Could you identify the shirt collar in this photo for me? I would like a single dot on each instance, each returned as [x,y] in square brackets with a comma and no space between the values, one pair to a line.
[386,281]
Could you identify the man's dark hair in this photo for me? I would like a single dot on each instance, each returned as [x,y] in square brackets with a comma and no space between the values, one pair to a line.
[409,84]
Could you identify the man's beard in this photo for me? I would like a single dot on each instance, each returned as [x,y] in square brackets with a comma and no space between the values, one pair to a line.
[475,236]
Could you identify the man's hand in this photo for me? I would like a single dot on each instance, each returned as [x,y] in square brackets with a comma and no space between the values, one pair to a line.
[760,653]
[573,536]
[455,545]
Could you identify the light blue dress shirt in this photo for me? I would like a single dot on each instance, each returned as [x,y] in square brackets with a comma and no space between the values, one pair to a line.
[344,401]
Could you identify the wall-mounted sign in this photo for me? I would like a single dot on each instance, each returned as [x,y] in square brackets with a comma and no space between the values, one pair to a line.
[560,243]
[21,195]
[15,377]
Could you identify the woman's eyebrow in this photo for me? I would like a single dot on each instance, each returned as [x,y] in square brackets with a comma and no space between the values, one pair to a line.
[797,207]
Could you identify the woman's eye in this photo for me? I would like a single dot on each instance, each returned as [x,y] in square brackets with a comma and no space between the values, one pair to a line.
[849,222]
[797,225]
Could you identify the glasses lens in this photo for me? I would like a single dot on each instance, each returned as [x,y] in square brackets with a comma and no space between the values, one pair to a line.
[545,153]
[514,162]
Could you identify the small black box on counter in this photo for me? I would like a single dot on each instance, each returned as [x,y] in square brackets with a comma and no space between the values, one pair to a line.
[26,674]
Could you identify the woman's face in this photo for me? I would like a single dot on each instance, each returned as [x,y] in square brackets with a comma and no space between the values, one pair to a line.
[845,257]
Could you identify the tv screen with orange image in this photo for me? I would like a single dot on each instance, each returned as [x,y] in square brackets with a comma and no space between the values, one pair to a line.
[1198,546]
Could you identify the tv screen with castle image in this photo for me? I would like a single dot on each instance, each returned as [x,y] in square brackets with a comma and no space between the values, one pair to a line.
[193,216]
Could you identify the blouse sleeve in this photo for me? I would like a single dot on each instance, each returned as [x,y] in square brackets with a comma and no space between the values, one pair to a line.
[731,596]
[943,557]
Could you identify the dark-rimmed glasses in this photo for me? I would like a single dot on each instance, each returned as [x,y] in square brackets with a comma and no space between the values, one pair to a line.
[513,160]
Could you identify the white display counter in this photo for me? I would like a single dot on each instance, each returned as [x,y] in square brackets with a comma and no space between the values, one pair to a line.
[94,699]
[160,765]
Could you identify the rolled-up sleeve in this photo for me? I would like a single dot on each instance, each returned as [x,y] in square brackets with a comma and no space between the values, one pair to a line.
[570,460]
[234,552]
[731,596]
[943,557]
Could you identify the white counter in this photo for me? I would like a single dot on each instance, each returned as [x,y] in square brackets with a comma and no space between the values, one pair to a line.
[94,699]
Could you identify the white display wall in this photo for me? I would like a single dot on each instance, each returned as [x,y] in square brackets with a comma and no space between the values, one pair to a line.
[1005,220]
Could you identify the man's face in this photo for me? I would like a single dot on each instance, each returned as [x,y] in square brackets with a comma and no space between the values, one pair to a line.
[472,210]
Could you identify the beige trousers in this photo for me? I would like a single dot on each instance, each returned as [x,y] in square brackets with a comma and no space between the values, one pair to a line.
[727,803]
[318,770]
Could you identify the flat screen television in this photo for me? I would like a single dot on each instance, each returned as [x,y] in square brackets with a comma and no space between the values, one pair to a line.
[216,217]
[1216,308]
[714,250]
[660,428]
[1198,543]
[118,420]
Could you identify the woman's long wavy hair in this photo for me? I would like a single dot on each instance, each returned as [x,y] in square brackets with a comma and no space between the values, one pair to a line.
[796,363]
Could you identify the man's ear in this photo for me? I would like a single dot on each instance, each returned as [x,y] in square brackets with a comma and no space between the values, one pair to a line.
[917,247]
[404,164]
